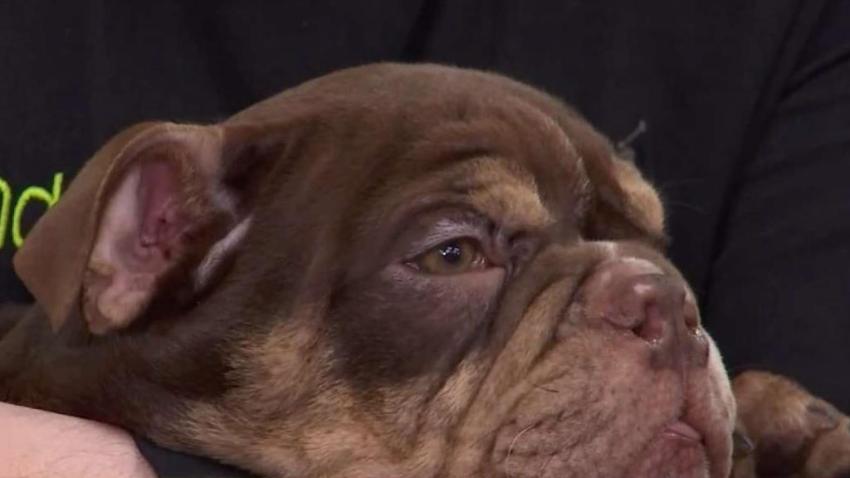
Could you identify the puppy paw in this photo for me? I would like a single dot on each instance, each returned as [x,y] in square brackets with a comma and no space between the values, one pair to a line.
[785,431]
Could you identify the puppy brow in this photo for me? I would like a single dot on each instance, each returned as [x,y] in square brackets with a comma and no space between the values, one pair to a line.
[507,194]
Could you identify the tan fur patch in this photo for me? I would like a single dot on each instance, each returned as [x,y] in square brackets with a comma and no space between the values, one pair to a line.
[507,193]
[647,210]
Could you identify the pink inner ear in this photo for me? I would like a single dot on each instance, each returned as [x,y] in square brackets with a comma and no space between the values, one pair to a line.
[160,220]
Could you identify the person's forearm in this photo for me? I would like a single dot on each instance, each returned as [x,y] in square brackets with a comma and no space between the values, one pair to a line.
[38,444]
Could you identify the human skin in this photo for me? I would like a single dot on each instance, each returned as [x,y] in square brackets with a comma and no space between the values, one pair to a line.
[36,444]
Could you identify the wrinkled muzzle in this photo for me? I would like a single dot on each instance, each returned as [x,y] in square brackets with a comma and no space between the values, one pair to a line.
[617,379]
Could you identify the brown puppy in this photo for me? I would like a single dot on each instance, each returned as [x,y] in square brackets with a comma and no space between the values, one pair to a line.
[388,271]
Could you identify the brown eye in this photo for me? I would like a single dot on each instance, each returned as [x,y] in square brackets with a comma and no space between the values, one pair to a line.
[453,257]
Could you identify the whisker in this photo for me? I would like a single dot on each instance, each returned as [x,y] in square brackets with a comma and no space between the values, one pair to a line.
[511,449]
[686,206]
[545,389]
[631,137]
[545,465]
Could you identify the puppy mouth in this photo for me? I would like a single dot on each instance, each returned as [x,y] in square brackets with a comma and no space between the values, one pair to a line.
[677,449]
[682,431]
[666,439]
[690,443]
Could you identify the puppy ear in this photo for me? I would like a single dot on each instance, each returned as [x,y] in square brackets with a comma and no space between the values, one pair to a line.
[156,205]
[623,205]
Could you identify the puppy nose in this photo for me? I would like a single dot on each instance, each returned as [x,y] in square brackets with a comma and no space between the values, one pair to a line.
[635,295]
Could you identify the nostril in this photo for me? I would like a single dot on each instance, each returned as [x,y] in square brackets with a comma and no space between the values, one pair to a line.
[651,328]
[691,315]
[647,306]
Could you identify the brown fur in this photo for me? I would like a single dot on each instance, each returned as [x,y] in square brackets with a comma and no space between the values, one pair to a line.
[793,433]
[305,345]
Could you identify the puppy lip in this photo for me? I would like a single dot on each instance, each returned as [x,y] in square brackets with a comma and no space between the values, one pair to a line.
[681,430]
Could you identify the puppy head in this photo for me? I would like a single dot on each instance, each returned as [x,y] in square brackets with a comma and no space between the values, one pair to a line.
[442,273]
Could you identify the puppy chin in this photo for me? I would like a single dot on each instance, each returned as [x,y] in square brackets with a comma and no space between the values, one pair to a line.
[672,456]
[636,423]
[667,455]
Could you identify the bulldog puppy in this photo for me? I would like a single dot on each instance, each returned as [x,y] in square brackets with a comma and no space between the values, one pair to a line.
[389,271]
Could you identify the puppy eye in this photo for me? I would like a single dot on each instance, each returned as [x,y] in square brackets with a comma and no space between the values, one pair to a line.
[453,257]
